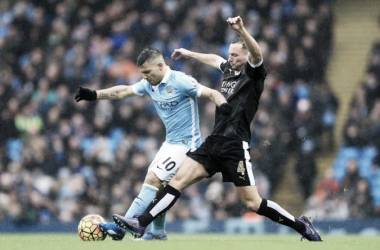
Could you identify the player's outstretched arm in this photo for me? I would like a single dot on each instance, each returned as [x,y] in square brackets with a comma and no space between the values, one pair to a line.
[114,93]
[211,60]
[219,100]
[255,54]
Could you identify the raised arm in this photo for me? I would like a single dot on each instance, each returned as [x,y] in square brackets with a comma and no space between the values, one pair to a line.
[255,55]
[219,100]
[114,93]
[211,60]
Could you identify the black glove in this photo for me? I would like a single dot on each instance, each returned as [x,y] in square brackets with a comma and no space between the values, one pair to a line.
[85,94]
[225,109]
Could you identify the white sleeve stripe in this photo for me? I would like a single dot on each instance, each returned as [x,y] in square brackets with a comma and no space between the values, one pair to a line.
[200,89]
[193,123]
[255,65]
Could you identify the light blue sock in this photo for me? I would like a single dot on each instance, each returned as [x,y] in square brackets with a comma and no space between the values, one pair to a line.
[158,225]
[141,202]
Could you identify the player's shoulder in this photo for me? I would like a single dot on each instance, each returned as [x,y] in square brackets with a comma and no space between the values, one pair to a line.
[182,78]
[255,71]
[179,75]
[142,83]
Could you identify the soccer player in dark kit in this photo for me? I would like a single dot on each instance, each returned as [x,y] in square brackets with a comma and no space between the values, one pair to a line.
[227,149]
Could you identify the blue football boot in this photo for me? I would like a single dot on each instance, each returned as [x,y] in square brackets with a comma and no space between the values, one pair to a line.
[110,228]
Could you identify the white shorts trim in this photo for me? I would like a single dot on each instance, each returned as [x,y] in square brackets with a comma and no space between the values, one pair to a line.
[248,164]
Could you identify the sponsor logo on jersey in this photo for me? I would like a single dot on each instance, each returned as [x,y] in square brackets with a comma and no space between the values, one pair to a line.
[167,105]
[228,86]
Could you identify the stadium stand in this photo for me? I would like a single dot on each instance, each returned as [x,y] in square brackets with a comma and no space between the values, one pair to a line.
[58,157]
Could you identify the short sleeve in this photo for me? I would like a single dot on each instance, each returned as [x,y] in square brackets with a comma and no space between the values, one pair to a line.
[223,66]
[140,88]
[191,86]
[257,72]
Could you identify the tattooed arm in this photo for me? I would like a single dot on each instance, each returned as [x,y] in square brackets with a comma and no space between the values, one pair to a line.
[116,92]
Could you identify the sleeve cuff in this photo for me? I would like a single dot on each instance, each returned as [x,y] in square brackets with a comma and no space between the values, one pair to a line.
[200,89]
[255,65]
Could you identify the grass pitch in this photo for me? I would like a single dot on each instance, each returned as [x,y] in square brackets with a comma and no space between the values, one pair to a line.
[42,241]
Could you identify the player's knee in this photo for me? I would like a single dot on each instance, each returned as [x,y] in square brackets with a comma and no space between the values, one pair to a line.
[178,182]
[152,179]
[252,205]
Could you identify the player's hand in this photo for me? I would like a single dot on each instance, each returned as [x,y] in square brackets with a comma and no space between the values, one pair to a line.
[180,53]
[225,109]
[85,94]
[235,23]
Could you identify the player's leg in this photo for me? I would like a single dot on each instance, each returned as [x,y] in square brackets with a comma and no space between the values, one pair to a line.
[270,209]
[148,192]
[252,200]
[158,228]
[238,169]
[164,166]
[189,172]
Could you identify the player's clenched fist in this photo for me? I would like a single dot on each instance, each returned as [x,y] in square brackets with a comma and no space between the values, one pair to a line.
[235,23]
[85,94]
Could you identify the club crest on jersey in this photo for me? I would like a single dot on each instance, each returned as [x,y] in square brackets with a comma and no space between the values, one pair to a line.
[169,90]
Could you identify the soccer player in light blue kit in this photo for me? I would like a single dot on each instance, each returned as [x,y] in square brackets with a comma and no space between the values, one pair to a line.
[174,95]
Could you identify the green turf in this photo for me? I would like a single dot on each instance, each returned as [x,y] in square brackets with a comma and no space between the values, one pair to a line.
[188,242]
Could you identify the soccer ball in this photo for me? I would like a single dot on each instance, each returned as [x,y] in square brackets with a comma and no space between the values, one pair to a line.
[89,230]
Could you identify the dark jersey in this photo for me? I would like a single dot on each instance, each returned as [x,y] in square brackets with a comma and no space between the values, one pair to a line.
[242,90]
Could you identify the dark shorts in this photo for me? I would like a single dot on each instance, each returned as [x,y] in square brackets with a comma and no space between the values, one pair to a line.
[228,156]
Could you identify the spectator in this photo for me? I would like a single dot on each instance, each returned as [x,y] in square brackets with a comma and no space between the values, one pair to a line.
[49,48]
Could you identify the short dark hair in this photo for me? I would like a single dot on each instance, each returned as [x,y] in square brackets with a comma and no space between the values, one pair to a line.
[147,54]
[239,40]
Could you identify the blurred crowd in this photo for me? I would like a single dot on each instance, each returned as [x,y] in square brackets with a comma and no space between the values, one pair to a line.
[351,189]
[60,160]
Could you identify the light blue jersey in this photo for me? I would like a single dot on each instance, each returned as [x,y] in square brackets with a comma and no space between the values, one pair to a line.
[175,100]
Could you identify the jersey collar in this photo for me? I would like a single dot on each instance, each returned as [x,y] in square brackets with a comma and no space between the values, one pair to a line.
[167,75]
